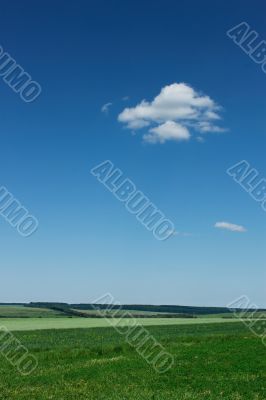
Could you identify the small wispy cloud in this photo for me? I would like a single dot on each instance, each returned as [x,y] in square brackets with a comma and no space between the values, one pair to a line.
[200,139]
[105,108]
[230,227]
[177,233]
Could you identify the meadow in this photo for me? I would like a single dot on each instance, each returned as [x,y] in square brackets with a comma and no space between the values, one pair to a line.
[214,361]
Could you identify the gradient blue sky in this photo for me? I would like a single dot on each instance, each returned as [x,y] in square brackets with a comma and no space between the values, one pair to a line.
[88,53]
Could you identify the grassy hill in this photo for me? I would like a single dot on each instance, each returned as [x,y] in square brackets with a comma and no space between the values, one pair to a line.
[20,311]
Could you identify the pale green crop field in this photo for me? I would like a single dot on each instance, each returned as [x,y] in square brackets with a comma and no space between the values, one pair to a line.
[20,324]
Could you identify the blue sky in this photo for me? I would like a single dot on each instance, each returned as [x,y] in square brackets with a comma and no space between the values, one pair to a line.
[86,54]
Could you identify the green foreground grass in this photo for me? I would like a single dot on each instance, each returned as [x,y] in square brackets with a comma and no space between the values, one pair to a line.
[212,362]
[19,324]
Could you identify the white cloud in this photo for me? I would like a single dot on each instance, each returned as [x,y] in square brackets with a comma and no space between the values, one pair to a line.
[172,114]
[230,227]
[168,130]
[137,124]
[105,108]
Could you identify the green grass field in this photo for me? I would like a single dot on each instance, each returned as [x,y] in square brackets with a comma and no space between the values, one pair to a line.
[19,324]
[213,361]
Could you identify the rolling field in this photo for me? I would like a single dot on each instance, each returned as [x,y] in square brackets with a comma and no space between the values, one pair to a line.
[20,324]
[8,311]
[121,312]
[248,315]
[212,362]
